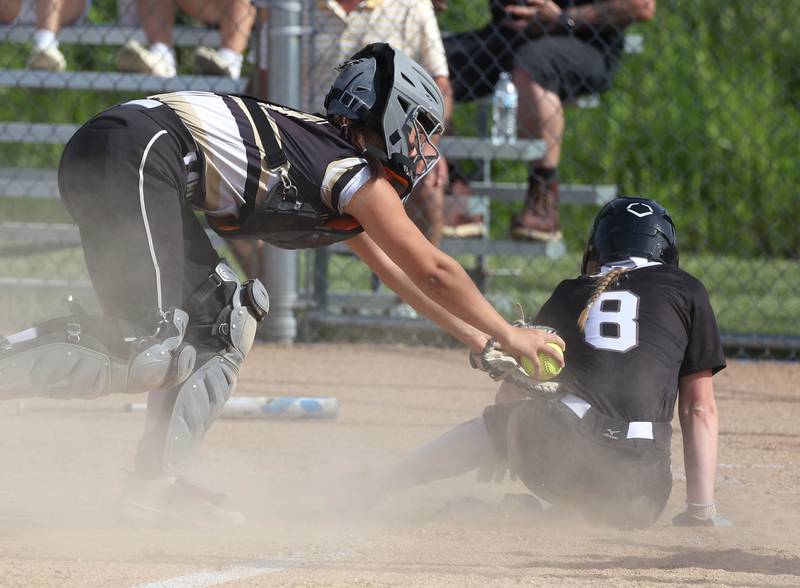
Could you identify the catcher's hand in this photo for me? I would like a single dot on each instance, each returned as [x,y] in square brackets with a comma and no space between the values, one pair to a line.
[502,366]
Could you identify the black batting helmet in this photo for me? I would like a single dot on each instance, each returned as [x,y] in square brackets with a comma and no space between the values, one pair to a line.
[630,227]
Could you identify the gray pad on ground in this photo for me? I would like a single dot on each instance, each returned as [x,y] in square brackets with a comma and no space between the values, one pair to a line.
[68,363]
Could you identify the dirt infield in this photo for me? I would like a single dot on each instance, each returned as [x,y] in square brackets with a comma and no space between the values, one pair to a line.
[60,472]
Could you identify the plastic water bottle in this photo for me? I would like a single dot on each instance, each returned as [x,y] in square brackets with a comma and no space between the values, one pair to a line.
[504,110]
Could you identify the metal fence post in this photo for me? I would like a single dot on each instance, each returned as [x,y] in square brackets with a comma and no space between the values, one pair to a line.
[279,34]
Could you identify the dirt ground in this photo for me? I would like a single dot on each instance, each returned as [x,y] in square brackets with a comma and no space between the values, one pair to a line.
[61,471]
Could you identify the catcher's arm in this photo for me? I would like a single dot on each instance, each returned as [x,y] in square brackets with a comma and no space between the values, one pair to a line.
[697,411]
[437,275]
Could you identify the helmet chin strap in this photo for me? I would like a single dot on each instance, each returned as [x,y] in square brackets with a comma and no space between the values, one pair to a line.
[398,169]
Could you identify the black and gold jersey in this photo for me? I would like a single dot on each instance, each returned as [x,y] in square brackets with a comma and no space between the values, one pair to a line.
[235,169]
[643,333]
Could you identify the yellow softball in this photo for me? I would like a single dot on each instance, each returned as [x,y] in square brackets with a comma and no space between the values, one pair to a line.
[549,368]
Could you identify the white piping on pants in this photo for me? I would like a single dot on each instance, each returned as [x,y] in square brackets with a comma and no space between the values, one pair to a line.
[144,218]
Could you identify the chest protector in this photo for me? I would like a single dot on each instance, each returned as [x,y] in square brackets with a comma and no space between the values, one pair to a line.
[292,216]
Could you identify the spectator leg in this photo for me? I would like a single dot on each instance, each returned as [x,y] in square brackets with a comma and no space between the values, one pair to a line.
[541,115]
[158,20]
[235,19]
[235,26]
[248,254]
[9,10]
[54,14]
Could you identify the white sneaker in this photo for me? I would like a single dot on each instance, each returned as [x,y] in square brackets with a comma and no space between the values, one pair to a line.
[136,58]
[172,502]
[209,62]
[47,58]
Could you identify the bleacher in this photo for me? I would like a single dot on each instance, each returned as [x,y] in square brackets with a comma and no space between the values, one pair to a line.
[41,183]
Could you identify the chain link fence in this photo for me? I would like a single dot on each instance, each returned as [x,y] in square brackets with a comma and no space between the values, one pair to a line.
[696,107]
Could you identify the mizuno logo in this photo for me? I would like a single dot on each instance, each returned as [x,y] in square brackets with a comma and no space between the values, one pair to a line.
[611,434]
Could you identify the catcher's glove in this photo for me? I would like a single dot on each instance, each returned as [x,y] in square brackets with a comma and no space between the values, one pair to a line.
[500,365]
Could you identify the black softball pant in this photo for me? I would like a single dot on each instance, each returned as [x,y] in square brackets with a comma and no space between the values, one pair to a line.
[123,179]
[569,461]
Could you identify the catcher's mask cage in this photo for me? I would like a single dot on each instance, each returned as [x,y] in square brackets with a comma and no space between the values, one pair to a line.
[630,227]
[396,98]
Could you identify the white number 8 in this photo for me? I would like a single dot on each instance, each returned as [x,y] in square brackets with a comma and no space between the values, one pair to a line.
[613,322]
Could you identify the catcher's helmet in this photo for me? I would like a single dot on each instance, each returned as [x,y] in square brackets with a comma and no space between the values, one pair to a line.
[630,227]
[397,99]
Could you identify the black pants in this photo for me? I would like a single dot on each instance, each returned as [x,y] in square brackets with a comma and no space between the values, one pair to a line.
[568,461]
[568,66]
[122,177]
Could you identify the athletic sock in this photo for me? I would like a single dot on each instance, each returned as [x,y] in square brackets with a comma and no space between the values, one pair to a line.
[163,51]
[232,59]
[44,38]
[542,175]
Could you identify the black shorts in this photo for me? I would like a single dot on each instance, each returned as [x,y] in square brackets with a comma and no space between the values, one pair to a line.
[568,66]
[568,461]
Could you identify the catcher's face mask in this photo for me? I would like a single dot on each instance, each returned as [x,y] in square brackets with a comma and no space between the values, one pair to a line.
[421,127]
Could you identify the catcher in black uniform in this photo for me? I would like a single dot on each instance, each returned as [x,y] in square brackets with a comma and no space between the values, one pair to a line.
[176,320]
[639,332]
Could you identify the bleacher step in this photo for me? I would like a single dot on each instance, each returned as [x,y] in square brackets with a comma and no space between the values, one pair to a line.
[101,34]
[65,234]
[138,84]
[452,147]
[597,194]
[43,183]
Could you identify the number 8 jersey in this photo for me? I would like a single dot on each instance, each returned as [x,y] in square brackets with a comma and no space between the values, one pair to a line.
[647,330]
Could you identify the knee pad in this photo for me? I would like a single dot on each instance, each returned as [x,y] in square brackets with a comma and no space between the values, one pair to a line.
[195,403]
[83,356]
[235,314]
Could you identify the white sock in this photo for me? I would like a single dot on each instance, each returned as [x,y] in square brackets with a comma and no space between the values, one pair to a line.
[232,59]
[43,39]
[163,51]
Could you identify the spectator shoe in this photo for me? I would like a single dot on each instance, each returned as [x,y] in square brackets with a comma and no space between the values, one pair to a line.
[211,62]
[459,221]
[47,58]
[136,58]
[540,219]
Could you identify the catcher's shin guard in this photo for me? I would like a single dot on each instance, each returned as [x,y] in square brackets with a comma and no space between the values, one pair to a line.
[83,356]
[192,406]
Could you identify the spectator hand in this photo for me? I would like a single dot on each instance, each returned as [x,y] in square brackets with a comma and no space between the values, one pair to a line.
[537,18]
[439,5]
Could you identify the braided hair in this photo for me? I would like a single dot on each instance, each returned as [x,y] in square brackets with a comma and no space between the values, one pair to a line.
[604,282]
